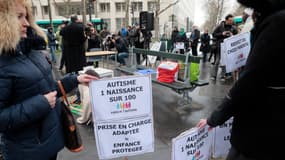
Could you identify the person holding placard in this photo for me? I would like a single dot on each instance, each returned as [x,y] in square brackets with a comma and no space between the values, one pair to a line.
[256,101]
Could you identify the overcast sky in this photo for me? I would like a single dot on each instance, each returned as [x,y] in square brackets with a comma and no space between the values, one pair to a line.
[200,15]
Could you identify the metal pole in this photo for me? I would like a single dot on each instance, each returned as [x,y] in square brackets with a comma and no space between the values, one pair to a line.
[84,11]
[90,10]
[49,13]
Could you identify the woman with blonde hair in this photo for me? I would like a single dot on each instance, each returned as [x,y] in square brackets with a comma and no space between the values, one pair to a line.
[30,109]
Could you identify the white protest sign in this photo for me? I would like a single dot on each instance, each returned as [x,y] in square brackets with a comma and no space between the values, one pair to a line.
[154,47]
[223,54]
[194,144]
[221,140]
[237,50]
[119,97]
[122,115]
[124,138]
[184,145]
[204,141]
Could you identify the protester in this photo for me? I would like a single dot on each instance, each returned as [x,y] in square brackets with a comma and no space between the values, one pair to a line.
[257,99]
[205,45]
[51,44]
[60,43]
[194,40]
[224,30]
[122,49]
[73,43]
[30,110]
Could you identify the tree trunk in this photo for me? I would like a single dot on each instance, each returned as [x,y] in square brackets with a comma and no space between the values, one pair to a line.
[127,12]
[49,13]
[156,20]
[83,3]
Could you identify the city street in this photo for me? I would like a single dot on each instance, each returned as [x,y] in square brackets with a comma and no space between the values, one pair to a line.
[167,122]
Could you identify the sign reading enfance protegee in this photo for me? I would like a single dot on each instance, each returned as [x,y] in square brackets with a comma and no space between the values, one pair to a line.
[122,115]
[121,97]
[125,138]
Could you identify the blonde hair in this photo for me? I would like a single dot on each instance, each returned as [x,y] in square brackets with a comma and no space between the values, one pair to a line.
[10,25]
[31,18]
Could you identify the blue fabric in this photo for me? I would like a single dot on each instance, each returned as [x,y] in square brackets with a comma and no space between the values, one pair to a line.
[30,128]
[146,71]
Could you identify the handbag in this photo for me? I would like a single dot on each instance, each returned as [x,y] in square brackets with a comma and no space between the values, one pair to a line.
[72,138]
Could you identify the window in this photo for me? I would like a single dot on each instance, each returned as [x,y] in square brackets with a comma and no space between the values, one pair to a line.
[75,9]
[135,20]
[151,6]
[105,7]
[136,6]
[35,11]
[45,10]
[62,10]
[119,23]
[120,7]
[107,22]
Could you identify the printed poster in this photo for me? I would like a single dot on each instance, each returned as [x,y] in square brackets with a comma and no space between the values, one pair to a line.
[122,115]
[221,140]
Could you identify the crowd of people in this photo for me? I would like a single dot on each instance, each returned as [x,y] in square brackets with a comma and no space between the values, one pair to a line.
[30,111]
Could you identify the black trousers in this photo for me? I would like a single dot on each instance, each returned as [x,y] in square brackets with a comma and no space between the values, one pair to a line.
[235,155]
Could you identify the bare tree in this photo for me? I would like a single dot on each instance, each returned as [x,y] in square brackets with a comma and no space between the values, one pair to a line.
[215,10]
[239,10]
[158,12]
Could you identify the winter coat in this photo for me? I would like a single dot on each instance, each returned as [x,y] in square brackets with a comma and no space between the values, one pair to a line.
[257,99]
[205,43]
[218,32]
[30,129]
[74,48]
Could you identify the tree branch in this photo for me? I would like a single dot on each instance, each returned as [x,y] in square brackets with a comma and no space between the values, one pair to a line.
[170,5]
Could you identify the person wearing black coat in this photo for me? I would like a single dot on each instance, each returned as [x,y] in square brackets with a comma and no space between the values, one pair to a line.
[73,36]
[194,40]
[205,44]
[224,30]
[30,108]
[256,101]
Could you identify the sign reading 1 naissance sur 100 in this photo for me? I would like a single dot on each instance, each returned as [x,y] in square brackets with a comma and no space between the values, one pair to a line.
[122,114]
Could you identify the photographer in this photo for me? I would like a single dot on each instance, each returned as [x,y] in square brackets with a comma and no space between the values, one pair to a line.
[108,43]
[224,30]
[122,49]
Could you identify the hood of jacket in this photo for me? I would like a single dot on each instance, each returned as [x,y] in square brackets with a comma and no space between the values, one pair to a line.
[9,26]
[264,6]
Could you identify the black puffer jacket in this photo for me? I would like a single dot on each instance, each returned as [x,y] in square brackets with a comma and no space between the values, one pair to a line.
[257,99]
[30,128]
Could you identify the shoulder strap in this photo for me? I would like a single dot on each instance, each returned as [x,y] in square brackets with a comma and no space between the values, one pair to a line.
[64,97]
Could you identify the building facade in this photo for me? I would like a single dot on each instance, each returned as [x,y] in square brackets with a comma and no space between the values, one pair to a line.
[113,12]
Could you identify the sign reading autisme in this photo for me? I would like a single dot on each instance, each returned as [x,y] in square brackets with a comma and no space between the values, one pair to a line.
[123,116]
[121,97]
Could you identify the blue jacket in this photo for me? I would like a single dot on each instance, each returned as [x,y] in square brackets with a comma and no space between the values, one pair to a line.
[31,129]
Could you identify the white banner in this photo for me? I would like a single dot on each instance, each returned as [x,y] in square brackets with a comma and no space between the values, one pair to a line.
[122,115]
[121,97]
[194,144]
[236,52]
[204,141]
[221,140]
[184,145]
[124,138]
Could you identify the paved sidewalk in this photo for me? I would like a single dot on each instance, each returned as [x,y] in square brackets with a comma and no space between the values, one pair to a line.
[167,122]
